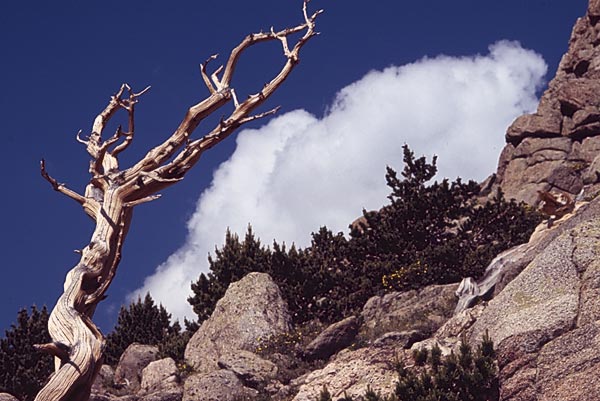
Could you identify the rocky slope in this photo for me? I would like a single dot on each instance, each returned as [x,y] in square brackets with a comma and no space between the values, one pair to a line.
[544,322]
[539,302]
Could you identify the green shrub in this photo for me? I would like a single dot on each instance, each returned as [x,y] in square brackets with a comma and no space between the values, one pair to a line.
[467,376]
[420,356]
[324,395]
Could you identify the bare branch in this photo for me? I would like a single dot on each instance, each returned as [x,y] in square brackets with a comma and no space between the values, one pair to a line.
[105,115]
[216,80]
[60,187]
[284,42]
[156,177]
[260,115]
[143,200]
[59,350]
[236,103]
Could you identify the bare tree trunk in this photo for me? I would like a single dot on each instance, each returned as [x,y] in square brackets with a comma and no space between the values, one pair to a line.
[111,195]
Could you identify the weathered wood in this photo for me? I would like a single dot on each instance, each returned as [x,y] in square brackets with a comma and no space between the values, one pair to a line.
[111,195]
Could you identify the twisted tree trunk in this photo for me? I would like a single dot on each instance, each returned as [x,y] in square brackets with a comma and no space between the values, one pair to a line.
[111,195]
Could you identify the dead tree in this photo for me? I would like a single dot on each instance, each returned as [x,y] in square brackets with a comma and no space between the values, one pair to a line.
[112,193]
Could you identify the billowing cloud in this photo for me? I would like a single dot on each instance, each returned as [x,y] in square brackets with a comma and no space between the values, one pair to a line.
[299,172]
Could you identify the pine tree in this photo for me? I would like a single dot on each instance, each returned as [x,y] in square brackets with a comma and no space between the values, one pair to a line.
[231,263]
[23,370]
[142,322]
[436,233]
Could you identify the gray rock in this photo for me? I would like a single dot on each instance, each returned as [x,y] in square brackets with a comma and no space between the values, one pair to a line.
[159,376]
[251,311]
[220,385]
[424,310]
[135,358]
[251,369]
[448,337]
[105,379]
[333,339]
[112,397]
[401,339]
[506,266]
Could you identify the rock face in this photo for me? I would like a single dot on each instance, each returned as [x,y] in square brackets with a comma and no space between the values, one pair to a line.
[544,322]
[104,380]
[506,266]
[252,309]
[7,397]
[557,147]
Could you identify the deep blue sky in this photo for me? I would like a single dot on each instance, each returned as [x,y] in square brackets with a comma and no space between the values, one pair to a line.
[62,60]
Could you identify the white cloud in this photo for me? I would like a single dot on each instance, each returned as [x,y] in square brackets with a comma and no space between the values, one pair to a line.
[299,172]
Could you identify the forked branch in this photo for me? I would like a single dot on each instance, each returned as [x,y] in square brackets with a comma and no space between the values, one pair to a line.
[168,160]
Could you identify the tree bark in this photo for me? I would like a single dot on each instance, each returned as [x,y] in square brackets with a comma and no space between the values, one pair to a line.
[111,194]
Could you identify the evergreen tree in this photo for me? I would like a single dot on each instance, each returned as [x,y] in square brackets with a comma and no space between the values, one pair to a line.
[23,370]
[231,263]
[436,233]
[286,267]
[142,322]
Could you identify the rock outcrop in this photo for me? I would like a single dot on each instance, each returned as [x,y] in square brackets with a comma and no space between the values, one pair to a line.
[252,370]
[104,380]
[219,385]
[221,351]
[251,310]
[557,148]
[139,376]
